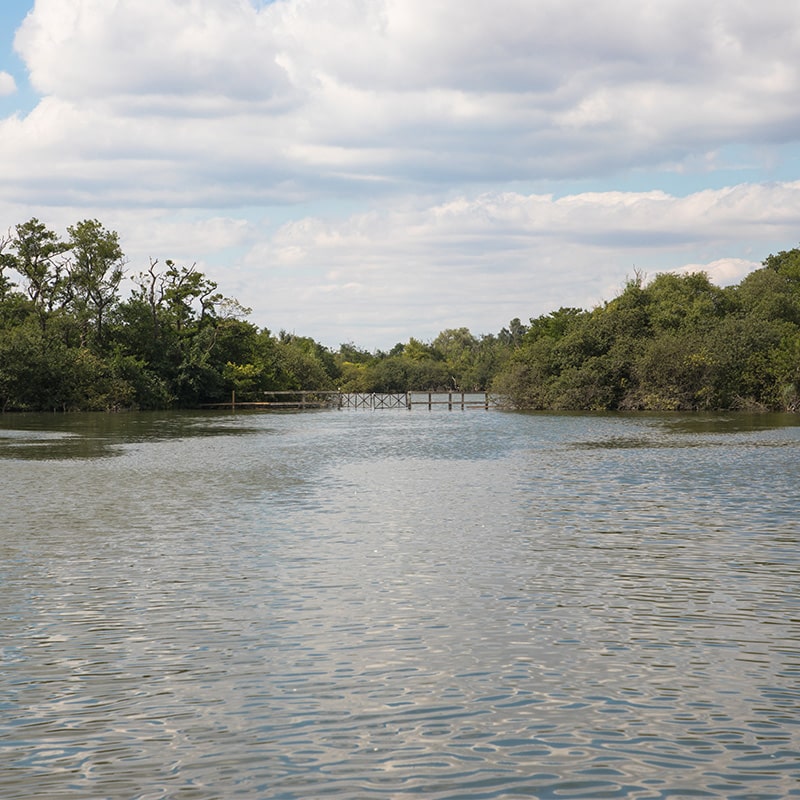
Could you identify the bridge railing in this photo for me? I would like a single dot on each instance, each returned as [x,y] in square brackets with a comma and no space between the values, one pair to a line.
[408,400]
[373,400]
[309,399]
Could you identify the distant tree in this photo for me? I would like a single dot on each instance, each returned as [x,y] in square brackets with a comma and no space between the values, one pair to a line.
[38,256]
[418,351]
[7,262]
[513,334]
[769,293]
[67,340]
[459,349]
[351,353]
[553,325]
[94,273]
[786,263]
[684,301]
[304,363]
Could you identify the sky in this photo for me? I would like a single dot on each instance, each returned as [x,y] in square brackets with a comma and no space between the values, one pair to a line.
[365,171]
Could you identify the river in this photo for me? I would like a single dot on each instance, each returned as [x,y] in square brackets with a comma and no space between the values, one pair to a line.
[389,604]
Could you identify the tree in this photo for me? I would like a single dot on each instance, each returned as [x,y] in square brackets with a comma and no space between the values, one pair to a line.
[459,349]
[305,363]
[786,263]
[513,334]
[95,271]
[677,302]
[672,372]
[553,325]
[351,353]
[7,261]
[189,295]
[39,258]
[417,351]
[769,294]
[526,378]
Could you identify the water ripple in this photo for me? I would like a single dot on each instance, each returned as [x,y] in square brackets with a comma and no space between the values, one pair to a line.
[442,606]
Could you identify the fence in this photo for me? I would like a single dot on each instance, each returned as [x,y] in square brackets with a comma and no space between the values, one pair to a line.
[309,399]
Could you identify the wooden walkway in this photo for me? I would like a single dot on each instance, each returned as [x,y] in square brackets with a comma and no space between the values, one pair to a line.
[407,400]
[373,401]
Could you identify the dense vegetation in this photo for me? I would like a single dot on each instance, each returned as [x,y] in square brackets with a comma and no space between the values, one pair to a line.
[68,340]
[676,343]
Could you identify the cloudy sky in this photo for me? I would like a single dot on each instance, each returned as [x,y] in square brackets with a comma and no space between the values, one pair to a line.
[369,170]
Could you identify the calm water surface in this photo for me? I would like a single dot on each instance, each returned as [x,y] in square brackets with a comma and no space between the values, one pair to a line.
[399,604]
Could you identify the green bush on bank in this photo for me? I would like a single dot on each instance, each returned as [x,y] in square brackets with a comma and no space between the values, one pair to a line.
[69,341]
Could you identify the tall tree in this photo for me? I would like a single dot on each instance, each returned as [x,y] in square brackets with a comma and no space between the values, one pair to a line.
[95,271]
[7,261]
[39,258]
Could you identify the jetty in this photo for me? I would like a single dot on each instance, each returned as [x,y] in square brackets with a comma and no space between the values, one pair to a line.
[308,399]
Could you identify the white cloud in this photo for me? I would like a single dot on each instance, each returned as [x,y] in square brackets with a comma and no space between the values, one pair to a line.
[480,261]
[7,84]
[90,49]
[389,132]
[311,97]
[414,267]
[723,271]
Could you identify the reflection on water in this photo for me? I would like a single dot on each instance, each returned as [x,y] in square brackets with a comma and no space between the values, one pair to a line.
[358,604]
[39,436]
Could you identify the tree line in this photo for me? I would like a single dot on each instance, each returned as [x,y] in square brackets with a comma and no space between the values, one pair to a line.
[677,342]
[70,341]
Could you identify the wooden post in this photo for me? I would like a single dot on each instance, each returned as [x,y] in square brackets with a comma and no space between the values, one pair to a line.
[449,401]
[408,401]
[233,399]
[429,401]
[462,401]
[486,400]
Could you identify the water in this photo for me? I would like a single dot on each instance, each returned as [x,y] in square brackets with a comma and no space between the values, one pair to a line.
[399,604]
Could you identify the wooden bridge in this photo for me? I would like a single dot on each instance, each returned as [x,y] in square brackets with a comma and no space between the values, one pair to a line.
[407,400]
[310,399]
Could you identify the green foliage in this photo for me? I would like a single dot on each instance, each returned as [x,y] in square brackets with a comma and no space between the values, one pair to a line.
[785,263]
[677,343]
[68,341]
[94,273]
[299,366]
[455,360]
[36,254]
[40,372]
[7,263]
[350,353]
[769,294]
[681,302]
[552,326]
[512,335]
